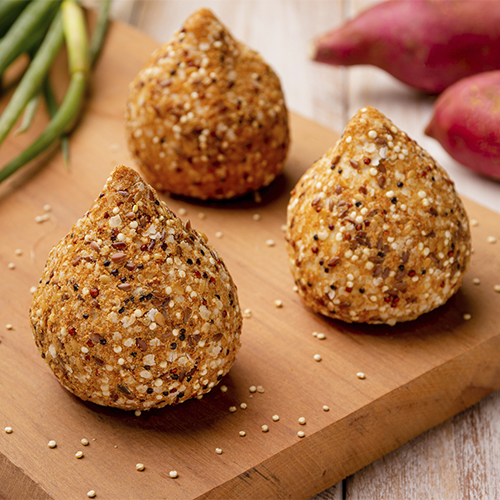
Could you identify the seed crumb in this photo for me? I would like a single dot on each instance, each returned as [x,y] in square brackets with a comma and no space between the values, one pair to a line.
[317,357]
[47,208]
[467,316]
[242,433]
[79,454]
[9,326]
[257,197]
[182,211]
[321,336]
[223,388]
[492,239]
[301,434]
[247,313]
[265,428]
[85,442]
[278,303]
[283,228]
[232,409]
[173,474]
[252,388]
[260,389]
[52,444]
[91,494]
[41,218]
[243,406]
[326,408]
[11,265]
[256,216]
[476,281]
[140,467]
[202,216]
[33,289]
[137,413]
[270,243]
[497,288]
[218,234]
[474,222]
[18,251]
[218,451]
[302,421]
[8,430]
[276,418]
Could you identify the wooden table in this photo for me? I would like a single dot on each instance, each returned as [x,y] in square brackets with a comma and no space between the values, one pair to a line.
[459,459]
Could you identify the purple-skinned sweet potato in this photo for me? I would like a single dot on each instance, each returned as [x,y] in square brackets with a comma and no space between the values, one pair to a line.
[466,122]
[427,44]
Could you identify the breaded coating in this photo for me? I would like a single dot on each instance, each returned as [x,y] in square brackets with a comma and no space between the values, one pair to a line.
[376,232]
[135,309]
[206,116]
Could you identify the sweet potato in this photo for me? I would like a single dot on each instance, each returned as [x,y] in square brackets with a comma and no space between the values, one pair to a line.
[427,44]
[466,122]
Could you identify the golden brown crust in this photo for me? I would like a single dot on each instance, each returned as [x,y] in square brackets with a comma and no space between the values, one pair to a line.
[135,309]
[206,116]
[376,232]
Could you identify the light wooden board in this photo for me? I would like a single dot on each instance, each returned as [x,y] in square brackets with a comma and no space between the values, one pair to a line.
[418,374]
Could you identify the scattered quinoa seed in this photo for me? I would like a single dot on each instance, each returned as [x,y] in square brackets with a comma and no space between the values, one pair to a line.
[270,243]
[476,281]
[326,408]
[302,421]
[137,413]
[19,251]
[317,357]
[52,444]
[276,418]
[474,222]
[265,428]
[467,316]
[242,433]
[283,228]
[218,451]
[8,430]
[361,375]
[202,216]
[173,474]
[252,388]
[247,313]
[301,434]
[9,326]
[243,406]
[79,454]
[497,288]
[278,303]
[140,467]
[492,239]
[91,494]
[85,442]
[218,234]
[182,211]
[256,216]
[223,388]
[47,208]
[232,409]
[260,389]
[321,336]
[11,265]
[33,290]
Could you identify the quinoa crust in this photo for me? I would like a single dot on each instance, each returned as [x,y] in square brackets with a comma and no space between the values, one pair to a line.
[135,309]
[206,116]
[375,229]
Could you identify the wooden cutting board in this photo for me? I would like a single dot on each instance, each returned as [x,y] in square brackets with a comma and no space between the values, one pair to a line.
[417,374]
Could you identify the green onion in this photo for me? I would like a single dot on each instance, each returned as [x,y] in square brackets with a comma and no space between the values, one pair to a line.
[14,42]
[29,114]
[9,12]
[32,79]
[78,55]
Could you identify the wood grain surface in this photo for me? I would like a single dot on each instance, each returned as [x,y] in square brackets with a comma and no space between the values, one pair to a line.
[418,374]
